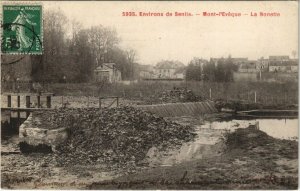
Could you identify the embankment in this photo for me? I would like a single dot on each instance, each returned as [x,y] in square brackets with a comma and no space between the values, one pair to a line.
[250,160]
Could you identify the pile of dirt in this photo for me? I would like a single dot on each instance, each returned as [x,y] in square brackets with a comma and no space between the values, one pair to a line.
[247,138]
[118,135]
[173,96]
[251,159]
[253,141]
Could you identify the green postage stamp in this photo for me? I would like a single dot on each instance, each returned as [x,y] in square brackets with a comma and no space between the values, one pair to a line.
[22,31]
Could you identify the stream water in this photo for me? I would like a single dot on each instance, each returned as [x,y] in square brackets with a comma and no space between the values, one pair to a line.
[209,134]
[277,128]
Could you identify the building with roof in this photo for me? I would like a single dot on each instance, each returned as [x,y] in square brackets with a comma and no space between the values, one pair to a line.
[283,66]
[279,58]
[249,66]
[107,72]
[169,70]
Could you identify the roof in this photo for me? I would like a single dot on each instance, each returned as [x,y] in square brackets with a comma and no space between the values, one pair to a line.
[248,66]
[279,57]
[107,65]
[283,63]
[239,59]
[145,67]
[169,65]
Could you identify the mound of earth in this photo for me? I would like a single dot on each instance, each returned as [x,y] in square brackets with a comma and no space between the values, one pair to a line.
[118,135]
[173,96]
[251,159]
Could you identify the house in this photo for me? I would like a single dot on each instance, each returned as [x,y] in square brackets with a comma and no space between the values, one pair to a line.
[279,58]
[262,64]
[283,66]
[146,71]
[107,72]
[238,61]
[235,61]
[249,67]
[276,67]
[168,70]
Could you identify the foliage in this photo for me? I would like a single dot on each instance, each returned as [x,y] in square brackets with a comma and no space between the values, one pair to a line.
[71,52]
[218,71]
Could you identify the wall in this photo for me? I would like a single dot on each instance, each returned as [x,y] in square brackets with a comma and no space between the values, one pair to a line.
[33,135]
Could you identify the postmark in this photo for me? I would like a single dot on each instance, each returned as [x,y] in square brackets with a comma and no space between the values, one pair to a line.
[22,31]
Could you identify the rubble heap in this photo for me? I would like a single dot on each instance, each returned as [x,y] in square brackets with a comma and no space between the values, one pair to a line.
[174,96]
[117,135]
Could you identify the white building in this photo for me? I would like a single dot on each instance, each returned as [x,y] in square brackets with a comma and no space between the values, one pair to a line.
[107,72]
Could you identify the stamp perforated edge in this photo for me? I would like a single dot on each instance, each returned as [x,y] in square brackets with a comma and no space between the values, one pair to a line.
[22,3]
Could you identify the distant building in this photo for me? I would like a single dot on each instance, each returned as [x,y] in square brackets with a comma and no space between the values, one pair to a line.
[283,66]
[279,58]
[107,72]
[146,71]
[249,66]
[168,70]
[238,61]
[262,64]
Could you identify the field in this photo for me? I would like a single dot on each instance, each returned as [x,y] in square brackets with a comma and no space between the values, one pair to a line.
[261,92]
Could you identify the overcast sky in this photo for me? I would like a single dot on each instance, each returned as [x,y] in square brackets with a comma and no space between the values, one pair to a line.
[182,38]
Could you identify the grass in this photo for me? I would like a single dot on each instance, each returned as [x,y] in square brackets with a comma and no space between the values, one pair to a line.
[266,92]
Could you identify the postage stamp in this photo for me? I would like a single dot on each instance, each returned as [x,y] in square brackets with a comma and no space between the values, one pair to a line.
[22,31]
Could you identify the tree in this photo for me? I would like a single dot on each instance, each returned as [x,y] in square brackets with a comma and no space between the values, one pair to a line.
[73,52]
[194,70]
[102,40]
[130,55]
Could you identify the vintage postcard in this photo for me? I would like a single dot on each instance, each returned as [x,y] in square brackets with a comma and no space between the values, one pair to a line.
[175,95]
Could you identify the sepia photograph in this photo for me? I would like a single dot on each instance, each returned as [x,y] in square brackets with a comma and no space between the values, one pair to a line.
[160,95]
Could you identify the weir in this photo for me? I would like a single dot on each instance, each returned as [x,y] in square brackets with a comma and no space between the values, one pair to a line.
[180,109]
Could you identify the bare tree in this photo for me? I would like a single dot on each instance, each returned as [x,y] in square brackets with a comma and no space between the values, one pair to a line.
[130,54]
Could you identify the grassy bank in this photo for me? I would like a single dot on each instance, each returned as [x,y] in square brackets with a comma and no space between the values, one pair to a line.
[266,92]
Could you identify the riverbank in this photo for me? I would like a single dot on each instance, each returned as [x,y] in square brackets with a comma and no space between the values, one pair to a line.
[250,159]
[218,158]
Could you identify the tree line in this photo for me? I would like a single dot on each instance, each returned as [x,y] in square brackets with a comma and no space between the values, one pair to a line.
[214,70]
[72,55]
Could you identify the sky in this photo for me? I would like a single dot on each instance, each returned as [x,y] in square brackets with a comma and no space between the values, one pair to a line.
[182,38]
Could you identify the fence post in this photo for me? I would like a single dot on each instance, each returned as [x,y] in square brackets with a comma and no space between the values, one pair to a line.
[99,102]
[9,101]
[48,101]
[88,101]
[39,101]
[210,93]
[62,101]
[255,97]
[117,101]
[27,101]
[18,100]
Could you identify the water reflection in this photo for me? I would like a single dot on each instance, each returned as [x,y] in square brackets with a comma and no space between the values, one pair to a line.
[278,128]
[210,133]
